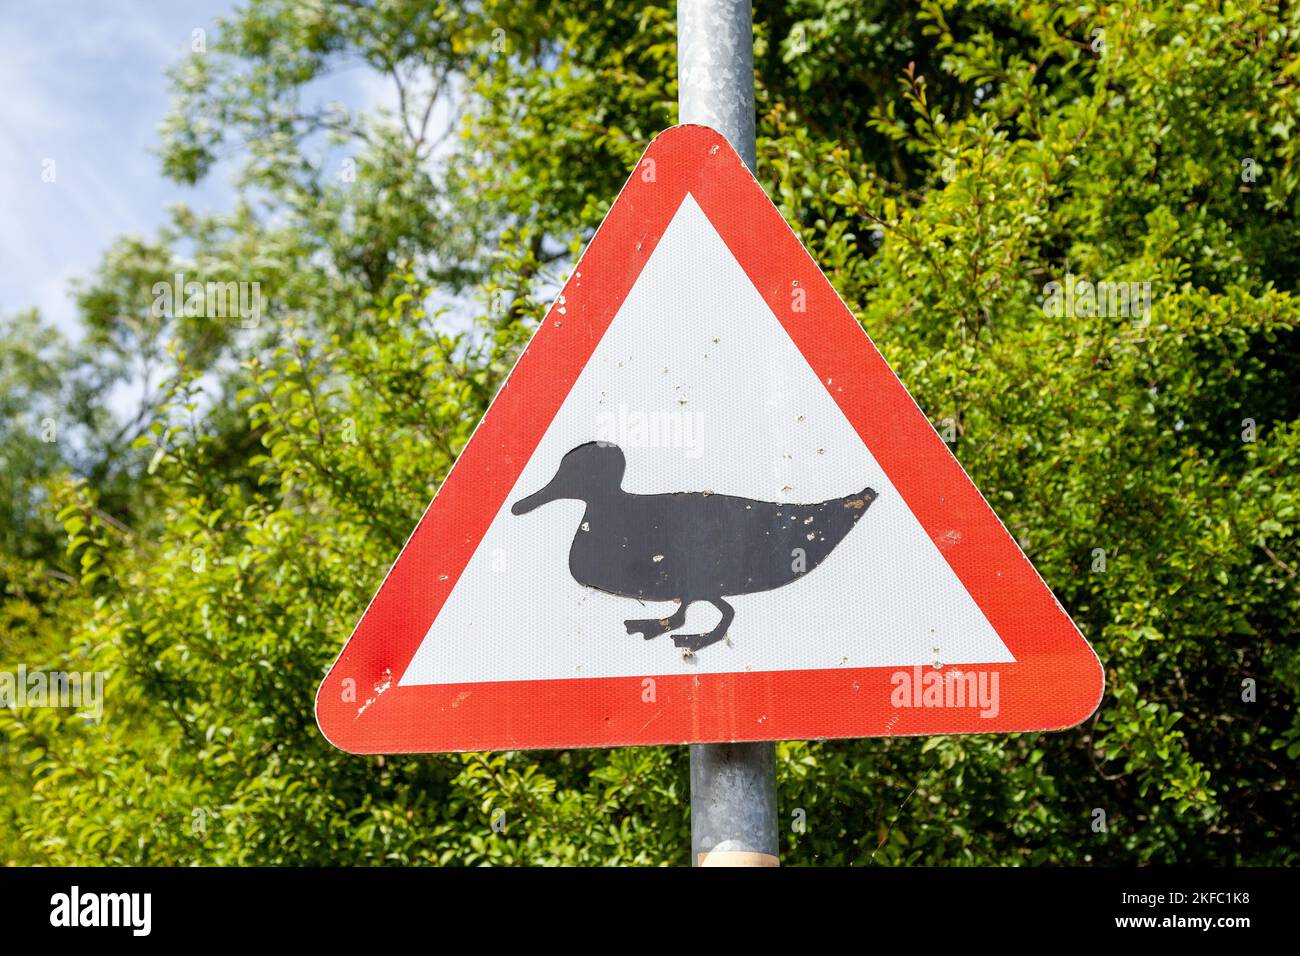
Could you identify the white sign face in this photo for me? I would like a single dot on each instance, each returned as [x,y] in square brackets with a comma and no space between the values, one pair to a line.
[722,402]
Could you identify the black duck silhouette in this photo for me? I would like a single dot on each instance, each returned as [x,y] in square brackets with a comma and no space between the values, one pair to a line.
[687,546]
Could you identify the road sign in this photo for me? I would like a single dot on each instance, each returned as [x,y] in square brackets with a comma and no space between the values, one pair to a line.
[703,508]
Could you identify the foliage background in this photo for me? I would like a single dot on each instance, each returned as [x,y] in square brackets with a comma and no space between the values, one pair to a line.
[943,160]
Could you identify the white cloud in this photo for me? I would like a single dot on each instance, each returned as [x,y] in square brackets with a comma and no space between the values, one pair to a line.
[84,86]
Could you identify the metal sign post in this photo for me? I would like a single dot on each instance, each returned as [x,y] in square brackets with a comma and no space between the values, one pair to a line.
[694,270]
[733,786]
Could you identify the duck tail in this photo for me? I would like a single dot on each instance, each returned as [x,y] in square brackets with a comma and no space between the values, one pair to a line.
[861,501]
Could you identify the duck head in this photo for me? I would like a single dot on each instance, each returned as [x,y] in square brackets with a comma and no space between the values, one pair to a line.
[595,468]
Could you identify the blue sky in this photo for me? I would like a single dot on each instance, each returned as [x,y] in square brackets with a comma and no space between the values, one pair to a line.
[84,86]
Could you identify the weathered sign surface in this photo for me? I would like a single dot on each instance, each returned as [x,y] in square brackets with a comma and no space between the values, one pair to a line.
[703,508]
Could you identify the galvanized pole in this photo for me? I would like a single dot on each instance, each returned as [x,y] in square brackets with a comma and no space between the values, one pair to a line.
[715,70]
[733,786]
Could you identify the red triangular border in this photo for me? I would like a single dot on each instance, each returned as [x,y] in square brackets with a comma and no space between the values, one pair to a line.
[1056,681]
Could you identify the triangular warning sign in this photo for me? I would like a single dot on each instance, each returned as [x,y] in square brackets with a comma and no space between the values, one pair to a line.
[703,508]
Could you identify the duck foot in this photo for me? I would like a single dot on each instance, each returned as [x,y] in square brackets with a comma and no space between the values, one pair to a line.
[695,642]
[651,628]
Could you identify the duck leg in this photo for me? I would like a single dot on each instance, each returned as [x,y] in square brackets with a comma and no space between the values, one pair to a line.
[694,642]
[653,627]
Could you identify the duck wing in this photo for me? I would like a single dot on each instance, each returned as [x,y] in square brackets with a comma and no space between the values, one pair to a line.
[694,545]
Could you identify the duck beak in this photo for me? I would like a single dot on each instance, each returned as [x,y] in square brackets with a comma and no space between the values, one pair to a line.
[535,500]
